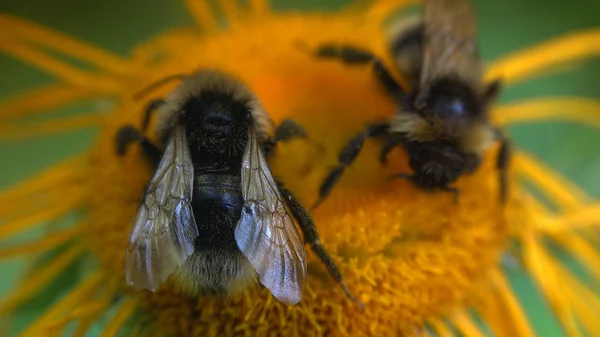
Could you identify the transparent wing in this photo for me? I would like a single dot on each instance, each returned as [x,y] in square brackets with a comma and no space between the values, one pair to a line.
[266,233]
[450,41]
[163,233]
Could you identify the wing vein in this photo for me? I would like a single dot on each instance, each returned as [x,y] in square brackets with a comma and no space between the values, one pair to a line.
[266,233]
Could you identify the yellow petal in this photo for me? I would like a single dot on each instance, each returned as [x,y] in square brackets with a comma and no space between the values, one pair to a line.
[534,60]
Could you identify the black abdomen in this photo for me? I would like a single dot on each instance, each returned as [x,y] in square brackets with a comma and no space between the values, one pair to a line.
[217,204]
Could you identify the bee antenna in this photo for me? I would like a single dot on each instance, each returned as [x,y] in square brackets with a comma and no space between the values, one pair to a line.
[158,83]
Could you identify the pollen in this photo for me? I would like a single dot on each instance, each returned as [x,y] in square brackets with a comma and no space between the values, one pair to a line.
[416,259]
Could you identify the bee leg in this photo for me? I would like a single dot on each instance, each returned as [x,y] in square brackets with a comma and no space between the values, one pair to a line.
[402,175]
[311,236]
[492,91]
[354,55]
[454,191]
[502,165]
[287,130]
[347,157]
[128,134]
[150,108]
[388,146]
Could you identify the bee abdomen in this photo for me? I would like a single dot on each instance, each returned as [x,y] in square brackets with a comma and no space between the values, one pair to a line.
[217,272]
[217,205]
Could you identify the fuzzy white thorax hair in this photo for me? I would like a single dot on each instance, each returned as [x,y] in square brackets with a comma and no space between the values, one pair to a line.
[470,137]
[213,80]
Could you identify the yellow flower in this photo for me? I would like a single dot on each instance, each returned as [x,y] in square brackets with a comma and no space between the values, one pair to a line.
[415,259]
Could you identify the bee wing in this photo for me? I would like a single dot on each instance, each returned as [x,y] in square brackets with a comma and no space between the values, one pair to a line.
[163,233]
[406,45]
[450,41]
[266,233]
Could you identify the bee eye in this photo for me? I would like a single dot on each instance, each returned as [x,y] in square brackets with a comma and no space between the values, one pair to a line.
[450,106]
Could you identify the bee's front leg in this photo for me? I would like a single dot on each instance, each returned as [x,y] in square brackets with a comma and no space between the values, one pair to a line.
[128,134]
[288,129]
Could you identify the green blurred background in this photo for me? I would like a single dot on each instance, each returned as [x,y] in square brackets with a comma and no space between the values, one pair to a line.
[506,25]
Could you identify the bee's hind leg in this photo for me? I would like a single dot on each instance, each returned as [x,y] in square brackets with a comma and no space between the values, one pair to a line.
[354,55]
[311,237]
[128,134]
[288,129]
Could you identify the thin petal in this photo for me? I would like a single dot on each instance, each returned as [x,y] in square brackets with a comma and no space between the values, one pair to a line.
[125,311]
[56,175]
[536,259]
[35,219]
[503,312]
[560,109]
[586,217]
[465,324]
[32,286]
[46,243]
[58,68]
[441,328]
[559,189]
[14,131]
[69,46]
[78,295]
[38,101]
[532,61]
[231,10]
[201,12]
[260,7]
[87,310]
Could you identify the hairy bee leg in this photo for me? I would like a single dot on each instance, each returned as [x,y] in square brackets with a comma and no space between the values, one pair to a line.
[354,55]
[402,175]
[288,129]
[311,236]
[150,108]
[347,157]
[128,134]
[455,191]
[388,146]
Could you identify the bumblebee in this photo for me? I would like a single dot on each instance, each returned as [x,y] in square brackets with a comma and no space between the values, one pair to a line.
[213,219]
[443,120]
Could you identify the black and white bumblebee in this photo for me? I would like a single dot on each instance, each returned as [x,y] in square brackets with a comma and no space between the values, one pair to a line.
[213,218]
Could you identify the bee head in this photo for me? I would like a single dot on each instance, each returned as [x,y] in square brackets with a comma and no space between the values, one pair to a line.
[216,120]
[216,113]
[448,98]
[435,164]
